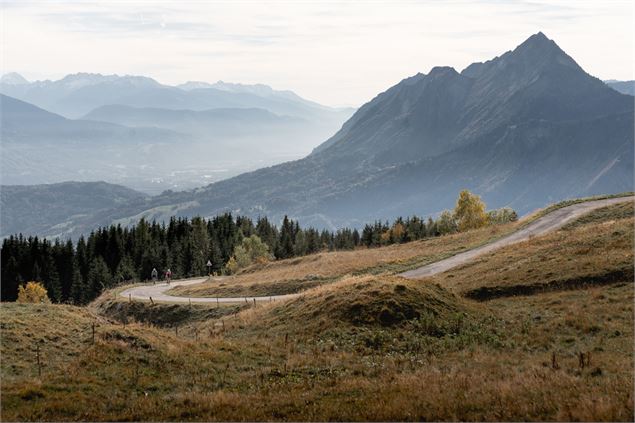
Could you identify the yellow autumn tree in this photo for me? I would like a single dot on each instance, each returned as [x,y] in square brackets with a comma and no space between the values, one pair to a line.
[397,232]
[469,212]
[32,292]
[232,266]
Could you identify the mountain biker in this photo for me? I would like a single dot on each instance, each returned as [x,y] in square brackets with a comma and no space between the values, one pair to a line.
[168,275]
[155,275]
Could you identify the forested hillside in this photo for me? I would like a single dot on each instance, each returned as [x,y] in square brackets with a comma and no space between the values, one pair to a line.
[79,272]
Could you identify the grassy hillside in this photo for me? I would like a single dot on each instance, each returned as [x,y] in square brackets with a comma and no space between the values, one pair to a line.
[299,274]
[596,249]
[364,347]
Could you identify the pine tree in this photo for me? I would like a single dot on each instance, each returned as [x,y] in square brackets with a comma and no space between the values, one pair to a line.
[99,277]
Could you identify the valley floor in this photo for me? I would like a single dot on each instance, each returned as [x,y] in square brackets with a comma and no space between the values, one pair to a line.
[542,330]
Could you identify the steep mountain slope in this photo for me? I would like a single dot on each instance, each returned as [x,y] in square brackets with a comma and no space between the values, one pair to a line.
[523,130]
[36,208]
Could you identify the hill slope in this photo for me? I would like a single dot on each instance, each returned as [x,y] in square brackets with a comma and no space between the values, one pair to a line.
[363,348]
[524,129]
[51,209]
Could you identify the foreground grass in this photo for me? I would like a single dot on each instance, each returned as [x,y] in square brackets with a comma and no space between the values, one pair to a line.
[363,347]
[495,365]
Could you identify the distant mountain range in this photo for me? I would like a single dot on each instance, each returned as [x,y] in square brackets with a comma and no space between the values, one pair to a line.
[625,87]
[524,129]
[76,95]
[135,131]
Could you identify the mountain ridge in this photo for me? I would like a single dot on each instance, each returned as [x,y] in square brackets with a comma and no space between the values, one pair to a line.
[524,129]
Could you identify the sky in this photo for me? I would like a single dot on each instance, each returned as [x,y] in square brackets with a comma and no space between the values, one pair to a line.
[336,53]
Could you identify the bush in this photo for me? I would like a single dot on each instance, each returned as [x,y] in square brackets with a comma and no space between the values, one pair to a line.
[251,250]
[500,216]
[446,224]
[33,292]
[232,266]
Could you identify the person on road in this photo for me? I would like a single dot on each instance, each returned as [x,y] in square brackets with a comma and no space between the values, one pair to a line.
[155,275]
[168,275]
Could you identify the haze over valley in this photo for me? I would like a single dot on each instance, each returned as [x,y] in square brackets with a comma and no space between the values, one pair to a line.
[151,137]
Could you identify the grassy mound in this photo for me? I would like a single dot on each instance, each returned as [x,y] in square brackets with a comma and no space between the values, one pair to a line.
[59,331]
[162,315]
[227,288]
[385,301]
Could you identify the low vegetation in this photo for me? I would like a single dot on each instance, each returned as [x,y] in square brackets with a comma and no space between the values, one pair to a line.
[596,249]
[366,346]
[32,292]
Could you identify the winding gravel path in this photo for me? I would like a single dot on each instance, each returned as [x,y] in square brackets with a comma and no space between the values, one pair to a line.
[157,293]
[550,222]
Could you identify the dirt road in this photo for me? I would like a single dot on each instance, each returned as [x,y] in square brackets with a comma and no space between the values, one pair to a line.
[550,222]
[541,226]
[157,293]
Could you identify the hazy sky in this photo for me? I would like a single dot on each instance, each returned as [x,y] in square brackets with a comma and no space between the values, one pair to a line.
[337,53]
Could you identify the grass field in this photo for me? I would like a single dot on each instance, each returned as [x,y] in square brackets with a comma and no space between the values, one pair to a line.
[365,346]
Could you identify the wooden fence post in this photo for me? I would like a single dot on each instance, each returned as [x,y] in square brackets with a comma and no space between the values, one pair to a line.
[39,365]
[151,301]
[93,338]
[129,297]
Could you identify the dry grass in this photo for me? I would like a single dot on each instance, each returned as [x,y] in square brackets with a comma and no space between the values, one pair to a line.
[159,314]
[366,347]
[546,210]
[352,372]
[597,249]
[385,301]
[298,274]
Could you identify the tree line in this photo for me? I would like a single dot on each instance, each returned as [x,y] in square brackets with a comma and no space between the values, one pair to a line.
[78,273]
